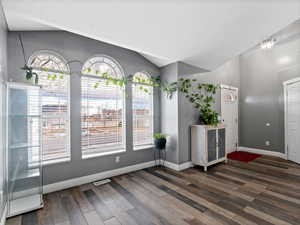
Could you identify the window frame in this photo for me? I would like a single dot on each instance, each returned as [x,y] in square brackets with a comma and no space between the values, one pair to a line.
[124,124]
[150,145]
[68,119]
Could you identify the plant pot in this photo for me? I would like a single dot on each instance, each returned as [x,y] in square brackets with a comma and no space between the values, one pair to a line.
[160,143]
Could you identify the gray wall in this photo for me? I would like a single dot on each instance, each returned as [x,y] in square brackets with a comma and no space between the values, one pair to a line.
[228,74]
[185,69]
[261,95]
[3,74]
[73,46]
[169,113]
[259,75]
[176,114]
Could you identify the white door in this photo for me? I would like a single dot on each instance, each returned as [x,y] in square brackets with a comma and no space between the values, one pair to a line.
[229,116]
[293,121]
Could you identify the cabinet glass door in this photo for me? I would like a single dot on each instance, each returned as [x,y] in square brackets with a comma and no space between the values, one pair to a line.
[24,148]
[3,177]
[221,143]
[211,145]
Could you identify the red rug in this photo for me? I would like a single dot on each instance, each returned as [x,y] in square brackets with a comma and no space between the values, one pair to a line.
[243,156]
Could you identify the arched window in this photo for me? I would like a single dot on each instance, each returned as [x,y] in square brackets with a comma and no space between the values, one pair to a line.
[48,61]
[102,108]
[54,78]
[142,111]
[99,65]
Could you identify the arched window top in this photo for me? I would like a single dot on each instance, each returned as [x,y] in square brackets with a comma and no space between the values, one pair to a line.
[102,64]
[141,77]
[48,60]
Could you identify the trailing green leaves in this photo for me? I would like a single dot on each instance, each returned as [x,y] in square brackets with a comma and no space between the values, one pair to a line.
[29,74]
[201,96]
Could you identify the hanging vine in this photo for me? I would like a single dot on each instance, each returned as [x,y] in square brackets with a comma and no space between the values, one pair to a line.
[199,94]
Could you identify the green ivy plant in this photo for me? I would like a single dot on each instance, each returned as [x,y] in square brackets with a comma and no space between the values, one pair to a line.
[201,95]
[169,88]
[30,74]
[202,99]
[159,136]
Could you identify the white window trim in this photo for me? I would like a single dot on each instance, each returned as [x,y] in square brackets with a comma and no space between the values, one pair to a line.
[118,150]
[124,146]
[143,147]
[101,154]
[56,161]
[50,162]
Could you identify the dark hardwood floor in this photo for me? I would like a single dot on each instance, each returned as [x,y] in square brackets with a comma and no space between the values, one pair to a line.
[265,191]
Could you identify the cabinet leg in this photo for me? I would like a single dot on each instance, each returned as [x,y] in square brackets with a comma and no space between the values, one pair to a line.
[205,168]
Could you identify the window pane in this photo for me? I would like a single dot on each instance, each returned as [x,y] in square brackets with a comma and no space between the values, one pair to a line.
[100,65]
[142,103]
[102,122]
[55,116]
[54,78]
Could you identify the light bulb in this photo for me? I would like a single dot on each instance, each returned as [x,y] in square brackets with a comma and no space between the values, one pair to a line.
[268,43]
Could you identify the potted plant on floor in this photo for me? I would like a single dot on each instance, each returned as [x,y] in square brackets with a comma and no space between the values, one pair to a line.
[160,141]
[160,149]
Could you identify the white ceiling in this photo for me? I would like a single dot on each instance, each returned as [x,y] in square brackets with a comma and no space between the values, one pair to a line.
[204,33]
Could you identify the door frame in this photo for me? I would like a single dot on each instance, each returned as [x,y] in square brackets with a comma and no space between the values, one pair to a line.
[285,96]
[224,86]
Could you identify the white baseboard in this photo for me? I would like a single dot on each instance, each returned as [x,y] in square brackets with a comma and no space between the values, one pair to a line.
[263,152]
[178,167]
[3,218]
[107,174]
[94,177]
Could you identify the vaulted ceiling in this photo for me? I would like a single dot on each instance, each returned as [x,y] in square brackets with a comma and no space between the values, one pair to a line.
[204,33]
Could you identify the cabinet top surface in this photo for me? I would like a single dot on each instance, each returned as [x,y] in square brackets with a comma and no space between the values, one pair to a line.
[221,125]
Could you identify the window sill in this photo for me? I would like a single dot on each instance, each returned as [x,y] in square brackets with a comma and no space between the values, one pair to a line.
[55,161]
[48,162]
[95,155]
[144,147]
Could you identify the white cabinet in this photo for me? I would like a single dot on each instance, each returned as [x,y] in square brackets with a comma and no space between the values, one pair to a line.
[208,145]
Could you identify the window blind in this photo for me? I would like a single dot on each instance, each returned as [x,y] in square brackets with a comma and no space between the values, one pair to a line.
[55,101]
[142,112]
[102,117]
[53,73]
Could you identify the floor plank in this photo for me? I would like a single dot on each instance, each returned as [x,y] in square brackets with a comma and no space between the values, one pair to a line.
[99,205]
[265,191]
[73,211]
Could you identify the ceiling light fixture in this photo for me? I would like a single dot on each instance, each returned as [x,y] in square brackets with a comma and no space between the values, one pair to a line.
[268,43]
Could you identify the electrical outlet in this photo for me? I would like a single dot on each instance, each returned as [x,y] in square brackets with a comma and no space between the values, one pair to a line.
[267,143]
[117,159]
